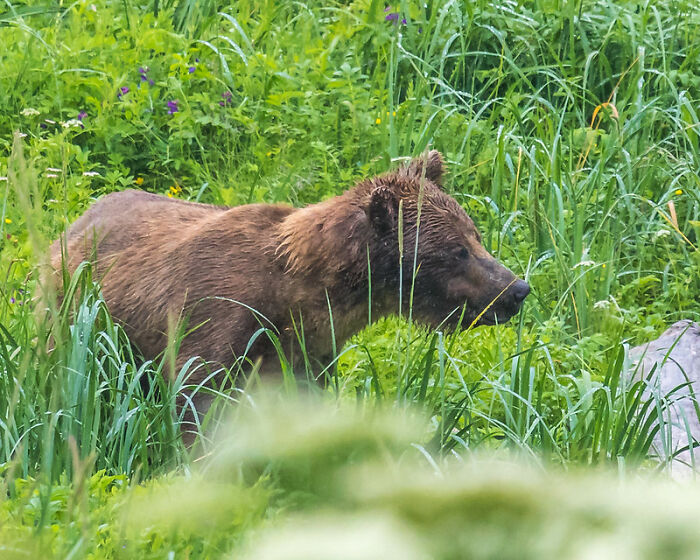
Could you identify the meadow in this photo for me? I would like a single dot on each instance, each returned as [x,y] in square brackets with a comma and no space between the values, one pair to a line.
[572,137]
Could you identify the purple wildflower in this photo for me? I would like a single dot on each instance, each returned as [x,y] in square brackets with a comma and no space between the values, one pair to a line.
[42,125]
[393,16]
[12,300]
[172,106]
[81,116]
[122,91]
[191,69]
[143,72]
[226,98]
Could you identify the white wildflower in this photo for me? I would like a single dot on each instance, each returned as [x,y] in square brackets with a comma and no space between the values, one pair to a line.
[51,175]
[72,123]
[3,178]
[49,121]
[662,233]
[29,112]
[54,169]
[90,174]
[584,263]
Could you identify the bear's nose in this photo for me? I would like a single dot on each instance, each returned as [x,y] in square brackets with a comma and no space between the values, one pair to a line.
[520,290]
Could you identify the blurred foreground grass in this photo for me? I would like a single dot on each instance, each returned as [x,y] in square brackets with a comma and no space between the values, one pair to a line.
[313,480]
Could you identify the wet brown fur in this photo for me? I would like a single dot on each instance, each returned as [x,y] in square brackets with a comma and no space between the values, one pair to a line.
[159,258]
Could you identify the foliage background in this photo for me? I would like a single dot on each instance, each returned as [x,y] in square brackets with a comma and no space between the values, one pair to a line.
[571,134]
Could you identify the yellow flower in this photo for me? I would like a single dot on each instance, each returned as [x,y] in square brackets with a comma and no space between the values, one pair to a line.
[174,190]
[139,181]
[170,195]
[678,192]
[603,265]
[8,221]
[378,121]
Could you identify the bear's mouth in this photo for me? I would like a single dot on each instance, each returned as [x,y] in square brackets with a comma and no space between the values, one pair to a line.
[488,316]
[466,316]
[498,316]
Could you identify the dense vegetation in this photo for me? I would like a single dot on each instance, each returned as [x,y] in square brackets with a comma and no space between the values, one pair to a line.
[571,133]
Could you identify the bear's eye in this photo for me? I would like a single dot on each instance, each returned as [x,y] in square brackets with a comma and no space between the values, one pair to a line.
[462,253]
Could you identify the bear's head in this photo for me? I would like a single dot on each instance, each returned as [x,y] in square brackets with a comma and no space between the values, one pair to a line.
[450,274]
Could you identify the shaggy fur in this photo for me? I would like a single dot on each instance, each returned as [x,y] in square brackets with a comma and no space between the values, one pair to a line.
[160,259]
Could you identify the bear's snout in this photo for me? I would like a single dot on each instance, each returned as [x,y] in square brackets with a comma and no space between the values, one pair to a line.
[519,291]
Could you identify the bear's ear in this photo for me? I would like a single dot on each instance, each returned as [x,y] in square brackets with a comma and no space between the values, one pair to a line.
[383,209]
[433,164]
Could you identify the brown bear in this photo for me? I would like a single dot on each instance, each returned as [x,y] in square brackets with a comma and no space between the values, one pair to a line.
[231,271]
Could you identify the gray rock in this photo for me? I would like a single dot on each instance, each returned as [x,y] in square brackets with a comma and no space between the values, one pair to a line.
[676,355]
